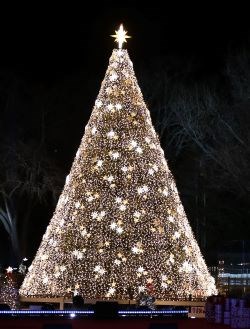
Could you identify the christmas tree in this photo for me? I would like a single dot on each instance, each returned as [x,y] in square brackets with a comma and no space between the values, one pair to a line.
[9,289]
[119,225]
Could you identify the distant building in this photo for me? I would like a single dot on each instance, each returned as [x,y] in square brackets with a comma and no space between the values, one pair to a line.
[232,274]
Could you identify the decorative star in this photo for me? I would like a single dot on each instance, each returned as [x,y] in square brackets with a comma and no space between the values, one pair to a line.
[133,143]
[9,269]
[151,171]
[110,178]
[113,226]
[140,269]
[45,279]
[137,214]
[118,200]
[111,291]
[118,106]
[117,262]
[124,169]
[122,207]
[102,271]
[141,288]
[135,250]
[111,134]
[115,155]
[119,230]
[99,163]
[120,36]
[98,103]
[139,150]
[97,268]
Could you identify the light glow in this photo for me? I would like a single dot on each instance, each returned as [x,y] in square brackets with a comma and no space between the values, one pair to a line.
[9,269]
[120,36]
[91,312]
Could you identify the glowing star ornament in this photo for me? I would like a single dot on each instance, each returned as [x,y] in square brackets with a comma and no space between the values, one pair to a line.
[110,178]
[94,215]
[111,291]
[177,235]
[133,144]
[122,207]
[141,289]
[137,250]
[186,267]
[171,258]
[102,271]
[102,213]
[117,262]
[84,232]
[78,254]
[120,36]
[9,269]
[119,230]
[139,150]
[63,268]
[97,268]
[45,280]
[118,106]
[110,107]
[98,104]
[111,134]
[140,269]
[142,189]
[113,77]
[119,220]
[113,226]
[77,204]
[115,155]
[99,163]
[118,200]
[137,214]
[124,169]
[94,130]
[151,171]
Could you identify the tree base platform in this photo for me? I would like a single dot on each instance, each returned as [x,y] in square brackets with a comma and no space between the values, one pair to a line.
[196,308]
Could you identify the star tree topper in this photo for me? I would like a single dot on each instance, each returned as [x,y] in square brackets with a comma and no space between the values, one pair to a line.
[120,36]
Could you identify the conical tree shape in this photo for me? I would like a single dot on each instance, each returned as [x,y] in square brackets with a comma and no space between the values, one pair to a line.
[119,227]
[9,290]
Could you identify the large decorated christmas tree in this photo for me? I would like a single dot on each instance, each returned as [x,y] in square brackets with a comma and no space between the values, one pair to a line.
[119,228]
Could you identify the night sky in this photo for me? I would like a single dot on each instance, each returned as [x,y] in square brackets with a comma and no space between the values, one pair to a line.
[64,52]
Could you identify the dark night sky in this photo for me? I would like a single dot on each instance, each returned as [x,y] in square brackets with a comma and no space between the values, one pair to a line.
[44,45]
[47,46]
